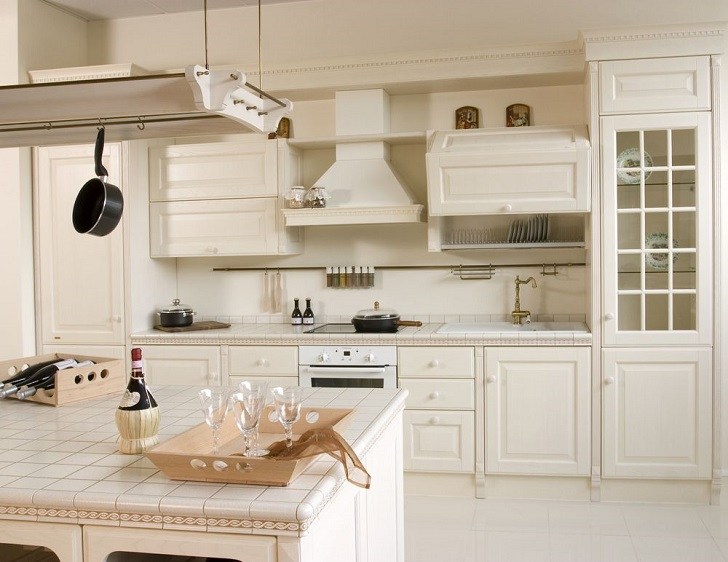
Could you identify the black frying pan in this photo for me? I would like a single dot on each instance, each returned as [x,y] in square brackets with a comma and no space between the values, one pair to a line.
[99,204]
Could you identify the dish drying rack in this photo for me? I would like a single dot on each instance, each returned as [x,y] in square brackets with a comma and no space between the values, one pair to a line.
[537,231]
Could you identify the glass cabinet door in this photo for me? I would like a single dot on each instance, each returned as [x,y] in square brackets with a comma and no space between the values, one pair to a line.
[657,220]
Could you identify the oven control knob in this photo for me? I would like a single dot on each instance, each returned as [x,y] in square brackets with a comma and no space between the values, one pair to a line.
[323,357]
[369,358]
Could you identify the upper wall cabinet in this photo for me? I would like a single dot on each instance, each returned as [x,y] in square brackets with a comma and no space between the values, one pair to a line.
[655,85]
[222,198]
[514,170]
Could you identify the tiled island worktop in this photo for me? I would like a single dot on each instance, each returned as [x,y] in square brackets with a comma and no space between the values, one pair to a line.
[60,465]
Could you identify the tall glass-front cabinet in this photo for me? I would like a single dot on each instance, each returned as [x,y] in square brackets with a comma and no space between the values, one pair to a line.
[657,268]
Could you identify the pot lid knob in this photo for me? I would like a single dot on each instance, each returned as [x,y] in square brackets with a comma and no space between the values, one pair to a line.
[376,305]
[175,302]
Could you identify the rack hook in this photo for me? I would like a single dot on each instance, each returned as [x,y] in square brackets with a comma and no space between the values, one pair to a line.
[141,126]
[554,270]
[48,126]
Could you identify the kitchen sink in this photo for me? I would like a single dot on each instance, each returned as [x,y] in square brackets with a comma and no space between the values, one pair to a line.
[485,327]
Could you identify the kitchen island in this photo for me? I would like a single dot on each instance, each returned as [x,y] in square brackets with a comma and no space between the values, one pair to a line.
[65,487]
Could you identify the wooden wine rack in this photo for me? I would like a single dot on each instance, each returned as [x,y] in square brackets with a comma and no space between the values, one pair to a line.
[105,376]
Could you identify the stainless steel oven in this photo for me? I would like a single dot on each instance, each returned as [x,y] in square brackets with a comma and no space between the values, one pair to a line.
[347,366]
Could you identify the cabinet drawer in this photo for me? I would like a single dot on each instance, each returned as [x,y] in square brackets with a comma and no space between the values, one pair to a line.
[450,394]
[216,227]
[439,441]
[436,362]
[177,364]
[263,360]
[272,381]
[655,85]
[221,170]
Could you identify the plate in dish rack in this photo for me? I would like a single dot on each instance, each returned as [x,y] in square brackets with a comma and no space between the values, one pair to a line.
[658,241]
[630,158]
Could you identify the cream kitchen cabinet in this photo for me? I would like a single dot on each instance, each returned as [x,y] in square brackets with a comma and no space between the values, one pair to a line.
[657,413]
[80,278]
[277,365]
[222,198]
[181,364]
[508,170]
[439,417]
[537,410]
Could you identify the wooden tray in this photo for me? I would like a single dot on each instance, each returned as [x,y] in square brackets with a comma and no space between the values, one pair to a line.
[106,376]
[207,325]
[188,456]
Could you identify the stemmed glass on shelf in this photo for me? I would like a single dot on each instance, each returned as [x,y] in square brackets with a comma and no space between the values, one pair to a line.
[214,405]
[288,408]
[247,405]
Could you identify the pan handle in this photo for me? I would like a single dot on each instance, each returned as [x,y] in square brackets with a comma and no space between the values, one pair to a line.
[408,323]
[101,172]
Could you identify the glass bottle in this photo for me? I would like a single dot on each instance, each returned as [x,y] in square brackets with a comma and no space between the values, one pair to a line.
[137,417]
[296,317]
[308,313]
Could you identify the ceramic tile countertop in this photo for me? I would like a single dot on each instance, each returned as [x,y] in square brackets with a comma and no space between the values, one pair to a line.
[285,334]
[62,465]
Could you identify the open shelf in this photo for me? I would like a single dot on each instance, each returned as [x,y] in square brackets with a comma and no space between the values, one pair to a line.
[330,142]
[352,215]
[513,245]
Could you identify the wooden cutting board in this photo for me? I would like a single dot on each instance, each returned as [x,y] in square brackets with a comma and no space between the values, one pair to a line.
[207,325]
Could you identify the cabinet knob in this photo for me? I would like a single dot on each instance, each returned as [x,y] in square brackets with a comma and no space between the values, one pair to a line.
[117,319]
[507,207]
[490,379]
[211,250]
[609,380]
[434,420]
[262,362]
[434,395]
[434,363]
[609,316]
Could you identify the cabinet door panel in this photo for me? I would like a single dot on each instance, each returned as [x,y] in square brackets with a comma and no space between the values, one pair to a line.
[81,277]
[218,227]
[439,441]
[657,413]
[537,418]
[222,170]
[178,364]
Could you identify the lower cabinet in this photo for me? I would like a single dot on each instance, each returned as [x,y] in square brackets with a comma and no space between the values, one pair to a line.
[439,440]
[657,413]
[439,419]
[181,364]
[278,365]
[537,410]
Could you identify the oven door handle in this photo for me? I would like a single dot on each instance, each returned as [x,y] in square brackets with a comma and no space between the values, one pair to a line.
[345,370]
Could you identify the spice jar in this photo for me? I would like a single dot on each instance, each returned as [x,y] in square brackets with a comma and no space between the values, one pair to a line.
[316,197]
[295,197]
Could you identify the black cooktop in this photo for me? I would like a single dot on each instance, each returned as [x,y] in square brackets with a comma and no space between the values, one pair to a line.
[336,329]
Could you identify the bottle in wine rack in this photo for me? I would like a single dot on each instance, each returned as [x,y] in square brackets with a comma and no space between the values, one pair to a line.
[24,374]
[137,417]
[40,375]
[47,379]
[296,316]
[308,313]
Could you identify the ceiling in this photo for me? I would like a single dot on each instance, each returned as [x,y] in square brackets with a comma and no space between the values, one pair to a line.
[94,10]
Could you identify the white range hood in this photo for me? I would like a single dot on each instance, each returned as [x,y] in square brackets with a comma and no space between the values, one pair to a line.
[363,186]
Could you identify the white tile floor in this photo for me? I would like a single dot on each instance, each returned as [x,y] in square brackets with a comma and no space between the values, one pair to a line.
[470,530]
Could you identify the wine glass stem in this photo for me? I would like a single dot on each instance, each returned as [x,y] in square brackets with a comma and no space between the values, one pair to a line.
[247,439]
[215,439]
[289,436]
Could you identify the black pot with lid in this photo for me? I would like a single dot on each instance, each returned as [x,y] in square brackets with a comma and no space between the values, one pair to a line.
[379,320]
[176,316]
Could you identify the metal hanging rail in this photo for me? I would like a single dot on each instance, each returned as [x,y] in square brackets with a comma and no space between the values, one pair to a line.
[139,120]
[453,268]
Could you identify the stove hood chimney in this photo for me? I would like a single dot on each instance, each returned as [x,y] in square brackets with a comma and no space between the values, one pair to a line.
[362,177]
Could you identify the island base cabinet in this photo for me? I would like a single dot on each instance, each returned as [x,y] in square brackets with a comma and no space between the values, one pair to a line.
[63,541]
[657,413]
[537,410]
[439,441]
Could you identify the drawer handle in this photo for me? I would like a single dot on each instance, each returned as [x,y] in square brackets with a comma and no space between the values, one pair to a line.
[434,363]
[262,362]
[434,420]
[507,207]
[609,380]
[211,250]
[434,395]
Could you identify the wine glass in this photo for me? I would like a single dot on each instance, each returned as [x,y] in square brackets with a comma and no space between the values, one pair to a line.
[214,404]
[247,405]
[288,407]
[256,388]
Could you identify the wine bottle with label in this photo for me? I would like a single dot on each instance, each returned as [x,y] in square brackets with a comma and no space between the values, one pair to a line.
[296,317]
[40,375]
[137,417]
[308,313]
[47,380]
[24,374]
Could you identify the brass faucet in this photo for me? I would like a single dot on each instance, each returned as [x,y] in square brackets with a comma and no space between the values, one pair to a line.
[517,313]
